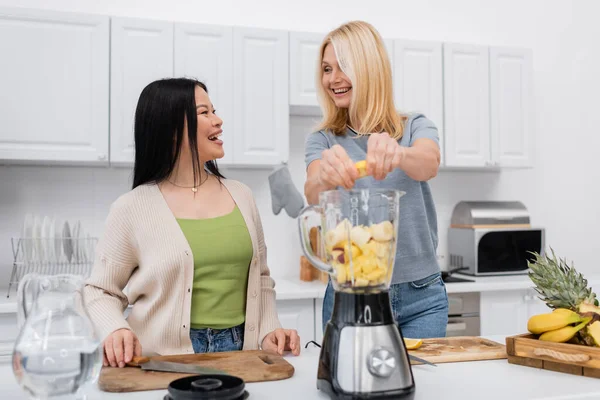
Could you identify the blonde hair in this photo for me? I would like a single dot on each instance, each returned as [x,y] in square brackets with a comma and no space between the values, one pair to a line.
[362,56]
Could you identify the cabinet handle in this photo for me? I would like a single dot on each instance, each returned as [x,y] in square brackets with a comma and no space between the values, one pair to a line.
[102,157]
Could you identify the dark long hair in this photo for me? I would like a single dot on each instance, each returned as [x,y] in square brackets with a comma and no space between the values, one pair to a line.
[158,131]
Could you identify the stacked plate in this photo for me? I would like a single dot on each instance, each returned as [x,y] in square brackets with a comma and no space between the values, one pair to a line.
[52,240]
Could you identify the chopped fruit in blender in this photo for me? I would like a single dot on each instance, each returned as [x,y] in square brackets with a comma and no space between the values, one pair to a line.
[365,260]
[360,235]
[383,232]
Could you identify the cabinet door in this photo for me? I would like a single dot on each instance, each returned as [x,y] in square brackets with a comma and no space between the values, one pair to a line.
[304,56]
[141,52]
[54,79]
[298,315]
[418,81]
[534,304]
[205,52]
[511,112]
[261,96]
[466,101]
[504,312]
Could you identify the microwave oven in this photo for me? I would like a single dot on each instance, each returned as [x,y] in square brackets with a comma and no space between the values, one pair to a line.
[493,238]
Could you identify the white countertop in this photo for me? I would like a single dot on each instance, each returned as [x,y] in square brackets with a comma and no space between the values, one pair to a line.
[295,289]
[490,380]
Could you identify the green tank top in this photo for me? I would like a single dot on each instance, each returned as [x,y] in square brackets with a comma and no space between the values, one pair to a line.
[222,250]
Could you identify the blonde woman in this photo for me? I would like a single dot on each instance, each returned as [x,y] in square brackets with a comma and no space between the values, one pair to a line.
[360,122]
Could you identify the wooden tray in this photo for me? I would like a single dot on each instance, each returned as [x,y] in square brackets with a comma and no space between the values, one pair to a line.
[561,357]
[251,366]
[458,349]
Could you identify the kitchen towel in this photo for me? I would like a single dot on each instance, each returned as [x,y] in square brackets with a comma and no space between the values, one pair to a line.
[284,194]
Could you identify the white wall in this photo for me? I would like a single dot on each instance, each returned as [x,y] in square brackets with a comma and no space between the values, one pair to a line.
[561,192]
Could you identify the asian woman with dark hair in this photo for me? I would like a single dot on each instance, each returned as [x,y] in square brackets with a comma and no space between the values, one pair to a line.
[186,242]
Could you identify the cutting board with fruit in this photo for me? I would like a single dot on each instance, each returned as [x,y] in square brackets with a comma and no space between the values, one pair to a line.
[455,349]
[567,337]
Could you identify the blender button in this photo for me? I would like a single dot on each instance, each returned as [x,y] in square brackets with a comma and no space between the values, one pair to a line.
[381,362]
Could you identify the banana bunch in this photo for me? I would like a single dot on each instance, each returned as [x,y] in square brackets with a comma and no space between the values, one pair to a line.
[559,326]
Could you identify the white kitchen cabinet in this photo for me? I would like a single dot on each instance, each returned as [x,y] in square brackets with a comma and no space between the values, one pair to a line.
[261,96]
[467,104]
[418,84]
[298,315]
[54,78]
[504,312]
[304,57]
[511,107]
[205,53]
[507,312]
[141,52]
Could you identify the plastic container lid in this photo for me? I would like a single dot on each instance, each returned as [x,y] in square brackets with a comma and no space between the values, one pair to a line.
[207,387]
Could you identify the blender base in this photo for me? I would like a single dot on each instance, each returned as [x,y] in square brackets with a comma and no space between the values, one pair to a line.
[400,394]
[363,354]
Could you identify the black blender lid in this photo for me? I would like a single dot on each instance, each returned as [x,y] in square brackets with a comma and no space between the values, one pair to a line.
[207,387]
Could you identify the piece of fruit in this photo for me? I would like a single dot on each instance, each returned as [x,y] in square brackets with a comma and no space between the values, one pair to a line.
[349,251]
[412,344]
[550,321]
[565,333]
[383,232]
[559,284]
[593,332]
[360,236]
[361,166]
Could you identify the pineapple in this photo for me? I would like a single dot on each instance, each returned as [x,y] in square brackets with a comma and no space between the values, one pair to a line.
[561,286]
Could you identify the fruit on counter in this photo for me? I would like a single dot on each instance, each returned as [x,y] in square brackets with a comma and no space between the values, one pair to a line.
[553,320]
[559,285]
[361,166]
[566,291]
[593,333]
[565,333]
[365,259]
[412,344]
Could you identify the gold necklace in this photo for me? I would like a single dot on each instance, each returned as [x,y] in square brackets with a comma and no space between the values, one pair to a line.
[194,188]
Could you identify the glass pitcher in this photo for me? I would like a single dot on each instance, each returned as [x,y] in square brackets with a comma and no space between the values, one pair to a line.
[358,237]
[57,352]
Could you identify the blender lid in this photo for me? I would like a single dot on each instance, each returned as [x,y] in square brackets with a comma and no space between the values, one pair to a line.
[207,387]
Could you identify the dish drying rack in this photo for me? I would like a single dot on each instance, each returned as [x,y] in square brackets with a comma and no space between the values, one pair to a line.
[51,256]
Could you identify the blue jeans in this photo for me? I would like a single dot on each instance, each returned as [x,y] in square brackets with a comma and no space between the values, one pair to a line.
[210,340]
[420,308]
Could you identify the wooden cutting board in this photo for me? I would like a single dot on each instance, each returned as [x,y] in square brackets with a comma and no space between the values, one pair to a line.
[457,349]
[251,366]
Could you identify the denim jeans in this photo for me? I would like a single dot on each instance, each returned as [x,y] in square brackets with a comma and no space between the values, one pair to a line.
[210,340]
[420,308]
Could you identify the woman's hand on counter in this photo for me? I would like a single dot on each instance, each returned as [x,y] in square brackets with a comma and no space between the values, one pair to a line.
[120,347]
[281,340]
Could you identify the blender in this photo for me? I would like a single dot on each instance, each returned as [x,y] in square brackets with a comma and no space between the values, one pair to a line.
[363,355]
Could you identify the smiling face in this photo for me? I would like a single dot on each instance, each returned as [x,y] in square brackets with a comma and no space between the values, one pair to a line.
[208,133]
[335,82]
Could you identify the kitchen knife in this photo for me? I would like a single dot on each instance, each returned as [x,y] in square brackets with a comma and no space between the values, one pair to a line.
[151,364]
[421,360]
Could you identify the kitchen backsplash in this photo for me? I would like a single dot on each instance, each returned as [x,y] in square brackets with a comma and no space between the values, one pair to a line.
[85,193]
